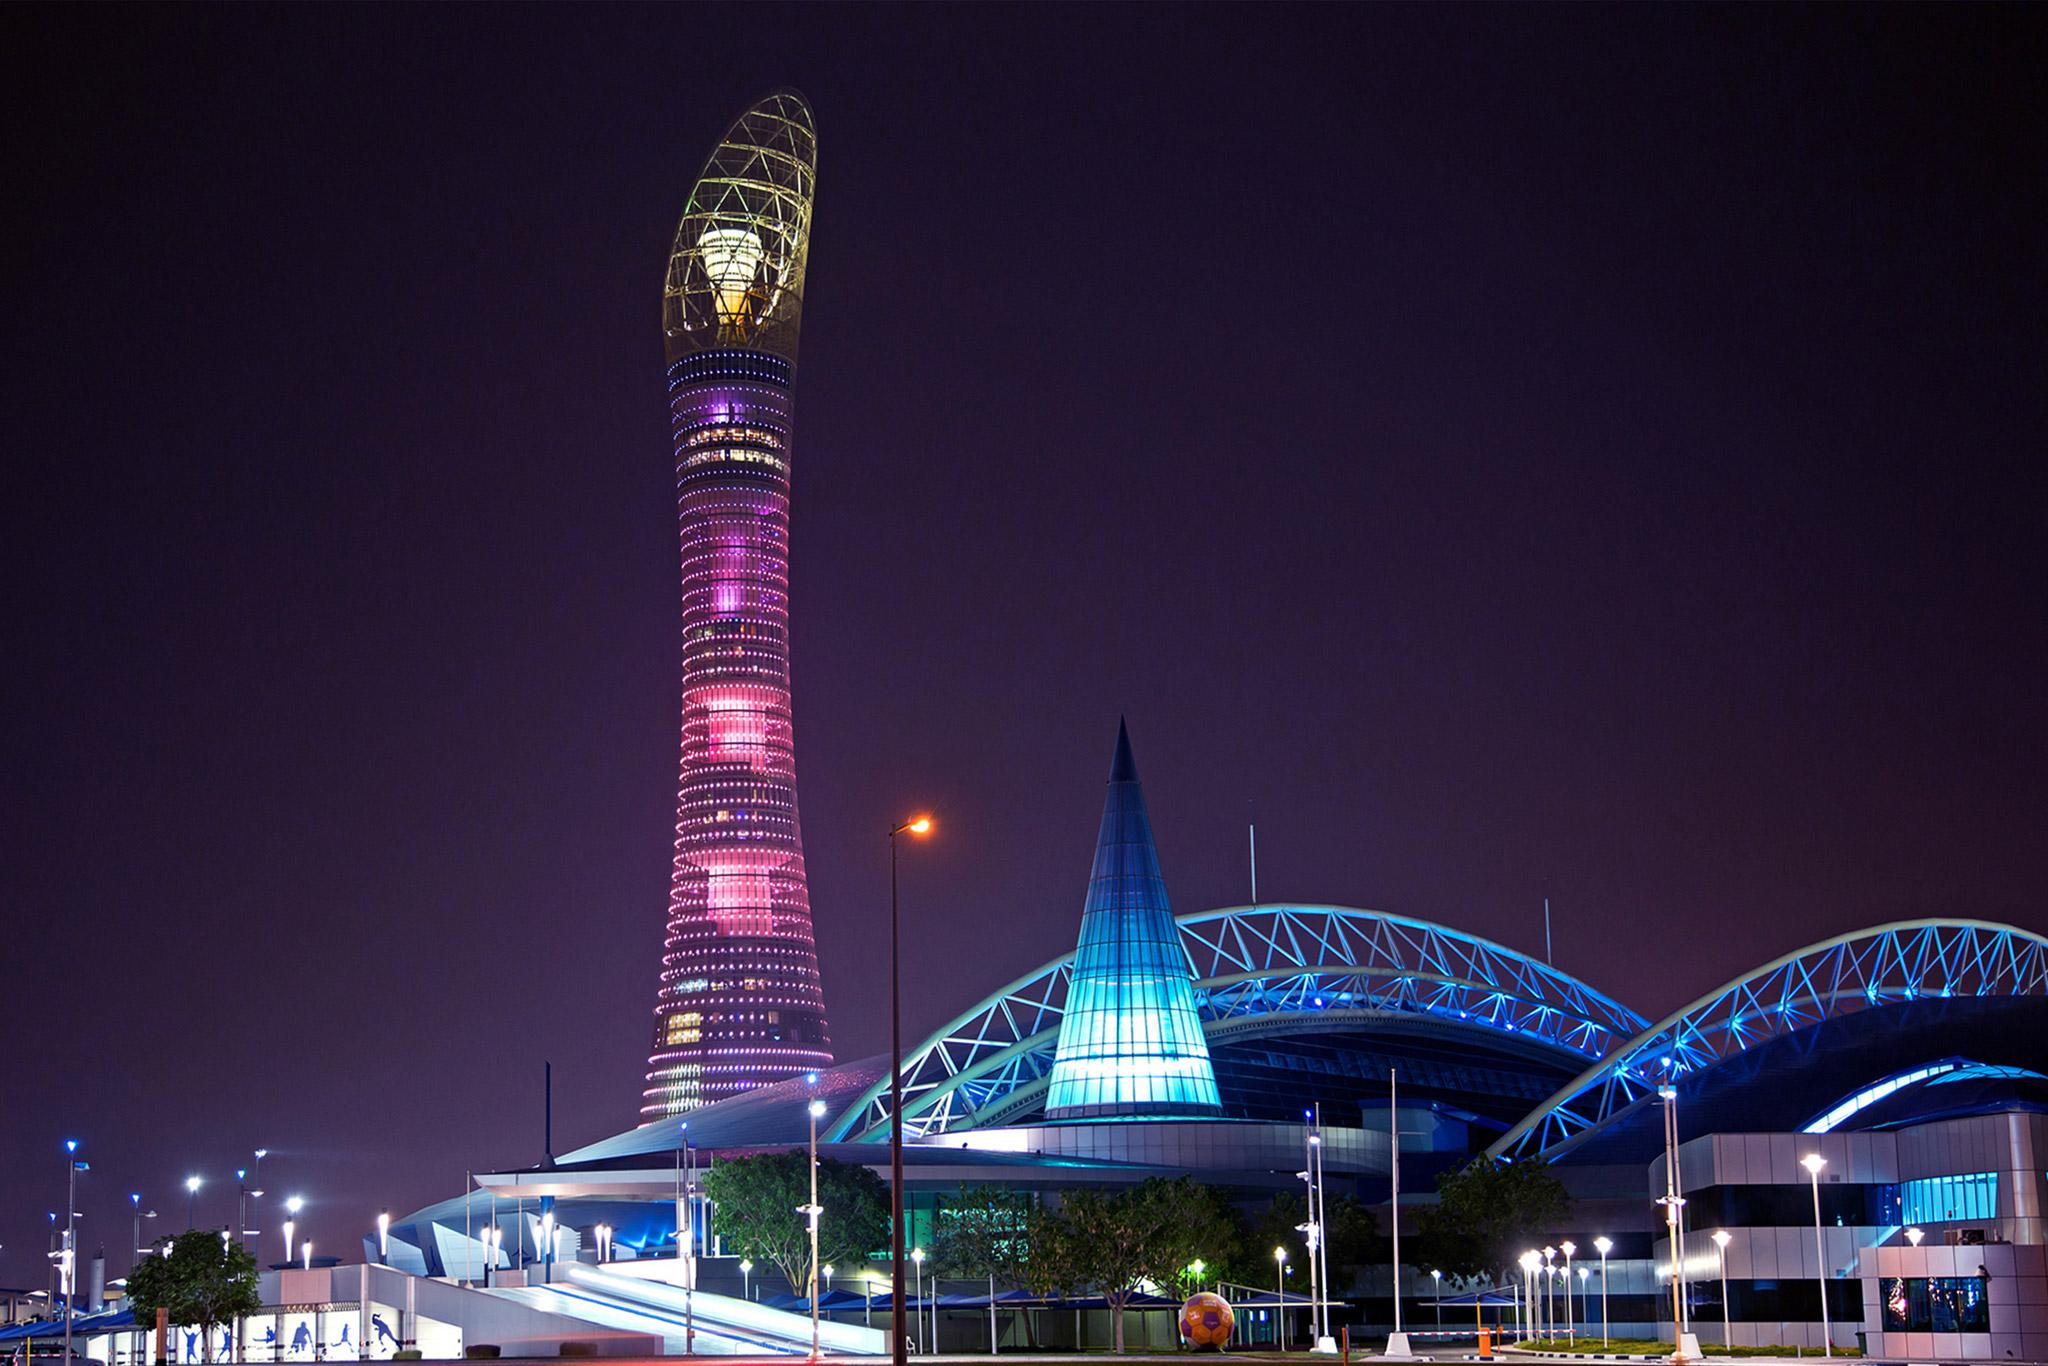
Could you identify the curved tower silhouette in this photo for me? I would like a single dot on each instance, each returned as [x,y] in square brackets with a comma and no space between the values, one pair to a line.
[740,1004]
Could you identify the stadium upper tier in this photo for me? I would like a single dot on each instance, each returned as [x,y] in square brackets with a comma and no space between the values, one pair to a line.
[1316,1003]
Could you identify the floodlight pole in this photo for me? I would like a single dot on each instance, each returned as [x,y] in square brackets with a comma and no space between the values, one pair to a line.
[71,1166]
[1813,1162]
[1669,1095]
[898,1341]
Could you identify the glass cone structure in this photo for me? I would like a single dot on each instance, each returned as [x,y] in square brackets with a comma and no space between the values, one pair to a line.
[1130,1042]
[740,1004]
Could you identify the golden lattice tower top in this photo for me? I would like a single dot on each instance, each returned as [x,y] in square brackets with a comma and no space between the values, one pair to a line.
[736,271]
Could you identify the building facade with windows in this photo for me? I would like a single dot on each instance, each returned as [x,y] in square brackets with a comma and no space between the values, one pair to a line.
[740,1003]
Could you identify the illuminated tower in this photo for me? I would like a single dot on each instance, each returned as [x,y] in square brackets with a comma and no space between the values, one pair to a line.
[740,1003]
[1130,1042]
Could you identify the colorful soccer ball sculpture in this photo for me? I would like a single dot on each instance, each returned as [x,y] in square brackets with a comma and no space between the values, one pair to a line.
[1205,1322]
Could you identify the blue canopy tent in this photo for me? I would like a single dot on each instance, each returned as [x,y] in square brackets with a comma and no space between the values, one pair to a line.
[84,1325]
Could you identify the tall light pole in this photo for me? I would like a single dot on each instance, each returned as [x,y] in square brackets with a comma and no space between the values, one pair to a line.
[1671,1203]
[291,1209]
[1437,1280]
[1571,1326]
[384,1236]
[1721,1239]
[192,1185]
[72,1167]
[256,1193]
[812,1211]
[916,825]
[1280,1298]
[1813,1162]
[1603,1245]
[1310,1231]
[1549,1292]
[1529,1263]
[917,1265]
[1322,1211]
[135,1203]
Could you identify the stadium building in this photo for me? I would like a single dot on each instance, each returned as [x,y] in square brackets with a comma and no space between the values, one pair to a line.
[1911,1059]
[1861,1124]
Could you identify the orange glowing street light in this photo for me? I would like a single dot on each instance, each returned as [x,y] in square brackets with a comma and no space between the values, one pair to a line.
[916,825]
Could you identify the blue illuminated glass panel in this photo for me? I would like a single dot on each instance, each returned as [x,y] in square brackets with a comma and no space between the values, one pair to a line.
[1130,1042]
[1945,1199]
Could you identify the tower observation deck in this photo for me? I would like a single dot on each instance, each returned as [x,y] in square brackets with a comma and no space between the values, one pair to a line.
[740,1003]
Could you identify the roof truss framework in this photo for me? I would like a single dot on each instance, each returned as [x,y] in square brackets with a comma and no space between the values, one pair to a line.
[1250,962]
[1841,976]
[736,271]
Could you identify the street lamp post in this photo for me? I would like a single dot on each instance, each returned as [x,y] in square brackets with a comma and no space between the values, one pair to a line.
[135,1204]
[1549,1293]
[811,1212]
[1721,1239]
[72,1167]
[1530,1262]
[1603,1245]
[256,1192]
[307,1246]
[291,1209]
[1813,1162]
[1280,1298]
[1437,1280]
[1571,1325]
[917,1265]
[192,1185]
[384,1236]
[1671,1202]
[916,825]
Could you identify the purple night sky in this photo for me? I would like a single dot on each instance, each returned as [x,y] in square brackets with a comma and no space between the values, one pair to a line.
[1581,452]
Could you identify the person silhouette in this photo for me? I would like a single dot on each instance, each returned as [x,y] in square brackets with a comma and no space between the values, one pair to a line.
[302,1340]
[382,1331]
[192,1345]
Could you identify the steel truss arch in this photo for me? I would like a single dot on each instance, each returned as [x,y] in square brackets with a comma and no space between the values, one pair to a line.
[1249,962]
[1849,973]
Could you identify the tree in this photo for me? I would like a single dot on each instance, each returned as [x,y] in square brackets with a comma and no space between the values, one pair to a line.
[1351,1232]
[198,1278]
[1054,1265]
[1487,1214]
[982,1236]
[758,1198]
[1145,1233]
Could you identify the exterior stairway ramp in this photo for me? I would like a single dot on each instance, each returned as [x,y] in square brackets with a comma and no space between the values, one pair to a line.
[724,1325]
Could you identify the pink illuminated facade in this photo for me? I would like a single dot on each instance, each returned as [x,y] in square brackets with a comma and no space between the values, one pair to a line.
[740,1004]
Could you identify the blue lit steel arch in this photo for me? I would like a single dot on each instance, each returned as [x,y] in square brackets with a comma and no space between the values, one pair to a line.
[1835,977]
[1250,963]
